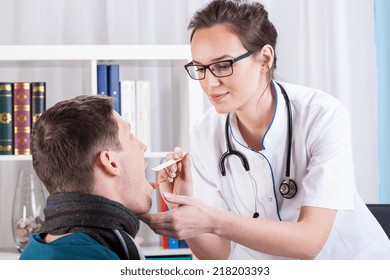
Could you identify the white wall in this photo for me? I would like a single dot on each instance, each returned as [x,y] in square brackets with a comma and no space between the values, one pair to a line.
[330,45]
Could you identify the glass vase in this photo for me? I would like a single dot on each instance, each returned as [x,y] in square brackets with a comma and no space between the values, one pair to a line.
[27,209]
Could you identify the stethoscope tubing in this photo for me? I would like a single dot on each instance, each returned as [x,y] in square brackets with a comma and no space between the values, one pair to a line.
[289,129]
[230,151]
[288,187]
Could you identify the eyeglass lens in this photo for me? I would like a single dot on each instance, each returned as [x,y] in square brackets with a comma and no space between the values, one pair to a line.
[219,69]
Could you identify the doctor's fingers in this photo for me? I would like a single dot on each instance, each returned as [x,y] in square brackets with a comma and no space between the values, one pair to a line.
[182,224]
[171,224]
[157,219]
[177,154]
[165,229]
[165,224]
[183,169]
[172,169]
[180,235]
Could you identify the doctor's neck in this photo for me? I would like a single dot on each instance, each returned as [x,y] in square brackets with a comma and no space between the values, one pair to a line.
[254,117]
[259,107]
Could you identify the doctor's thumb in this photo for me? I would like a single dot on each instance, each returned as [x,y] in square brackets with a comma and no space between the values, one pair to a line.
[176,199]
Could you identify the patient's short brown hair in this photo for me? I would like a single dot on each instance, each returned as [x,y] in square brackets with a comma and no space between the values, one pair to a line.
[67,138]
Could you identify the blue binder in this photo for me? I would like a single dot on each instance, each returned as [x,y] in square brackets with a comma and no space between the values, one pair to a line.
[102,86]
[113,86]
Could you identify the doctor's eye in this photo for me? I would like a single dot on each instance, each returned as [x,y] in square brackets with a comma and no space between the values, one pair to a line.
[222,68]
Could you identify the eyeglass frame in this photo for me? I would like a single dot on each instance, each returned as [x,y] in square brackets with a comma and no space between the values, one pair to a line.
[230,61]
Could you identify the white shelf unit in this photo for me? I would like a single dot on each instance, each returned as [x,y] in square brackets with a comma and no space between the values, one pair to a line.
[150,251]
[70,70]
[80,63]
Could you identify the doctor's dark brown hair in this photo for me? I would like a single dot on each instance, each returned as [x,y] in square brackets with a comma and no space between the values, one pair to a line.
[67,139]
[247,19]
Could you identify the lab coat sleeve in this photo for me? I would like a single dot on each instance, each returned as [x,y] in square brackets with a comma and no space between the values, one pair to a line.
[205,185]
[330,179]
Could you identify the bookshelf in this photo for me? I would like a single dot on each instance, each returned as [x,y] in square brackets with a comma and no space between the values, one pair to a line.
[70,70]
[152,252]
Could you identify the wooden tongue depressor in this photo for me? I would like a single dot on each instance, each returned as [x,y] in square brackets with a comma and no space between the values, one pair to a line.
[167,163]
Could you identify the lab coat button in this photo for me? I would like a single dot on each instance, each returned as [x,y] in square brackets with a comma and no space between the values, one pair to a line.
[270,199]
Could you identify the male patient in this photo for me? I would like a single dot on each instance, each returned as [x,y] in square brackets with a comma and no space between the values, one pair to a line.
[94,170]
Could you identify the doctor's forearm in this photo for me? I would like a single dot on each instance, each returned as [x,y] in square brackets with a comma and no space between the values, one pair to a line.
[302,239]
[209,247]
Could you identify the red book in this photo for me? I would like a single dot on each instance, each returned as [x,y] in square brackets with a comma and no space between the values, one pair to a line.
[22,118]
[164,242]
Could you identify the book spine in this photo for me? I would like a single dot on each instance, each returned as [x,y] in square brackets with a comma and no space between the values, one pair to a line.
[113,86]
[6,120]
[102,86]
[173,243]
[183,244]
[128,103]
[144,121]
[164,243]
[22,118]
[38,101]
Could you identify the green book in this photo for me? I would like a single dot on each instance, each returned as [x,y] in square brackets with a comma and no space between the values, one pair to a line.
[6,121]
[38,101]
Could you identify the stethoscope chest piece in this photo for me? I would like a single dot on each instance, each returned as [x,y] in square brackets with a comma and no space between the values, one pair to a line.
[288,188]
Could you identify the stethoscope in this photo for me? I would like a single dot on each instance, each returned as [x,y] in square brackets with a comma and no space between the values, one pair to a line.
[288,188]
[124,247]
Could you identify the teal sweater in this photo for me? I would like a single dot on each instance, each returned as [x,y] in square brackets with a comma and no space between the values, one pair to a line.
[77,246]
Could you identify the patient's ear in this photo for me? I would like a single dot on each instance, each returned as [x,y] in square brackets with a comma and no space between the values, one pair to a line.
[107,162]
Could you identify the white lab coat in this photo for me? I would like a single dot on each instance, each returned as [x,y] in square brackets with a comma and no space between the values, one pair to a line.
[321,165]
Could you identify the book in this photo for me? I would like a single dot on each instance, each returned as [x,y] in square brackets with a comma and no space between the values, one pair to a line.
[164,243]
[173,243]
[38,101]
[113,85]
[102,86]
[144,121]
[183,244]
[6,119]
[128,103]
[22,118]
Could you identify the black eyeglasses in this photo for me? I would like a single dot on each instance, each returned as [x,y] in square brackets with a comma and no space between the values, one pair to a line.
[219,69]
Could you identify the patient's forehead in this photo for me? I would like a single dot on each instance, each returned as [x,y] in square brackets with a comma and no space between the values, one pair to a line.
[123,124]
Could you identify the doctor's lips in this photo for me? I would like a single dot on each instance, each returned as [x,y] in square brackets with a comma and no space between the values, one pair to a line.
[217,97]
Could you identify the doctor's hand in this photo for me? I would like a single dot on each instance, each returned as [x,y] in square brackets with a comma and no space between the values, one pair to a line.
[189,219]
[176,178]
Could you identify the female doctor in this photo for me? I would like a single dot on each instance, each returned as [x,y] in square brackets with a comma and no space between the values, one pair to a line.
[272,165]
